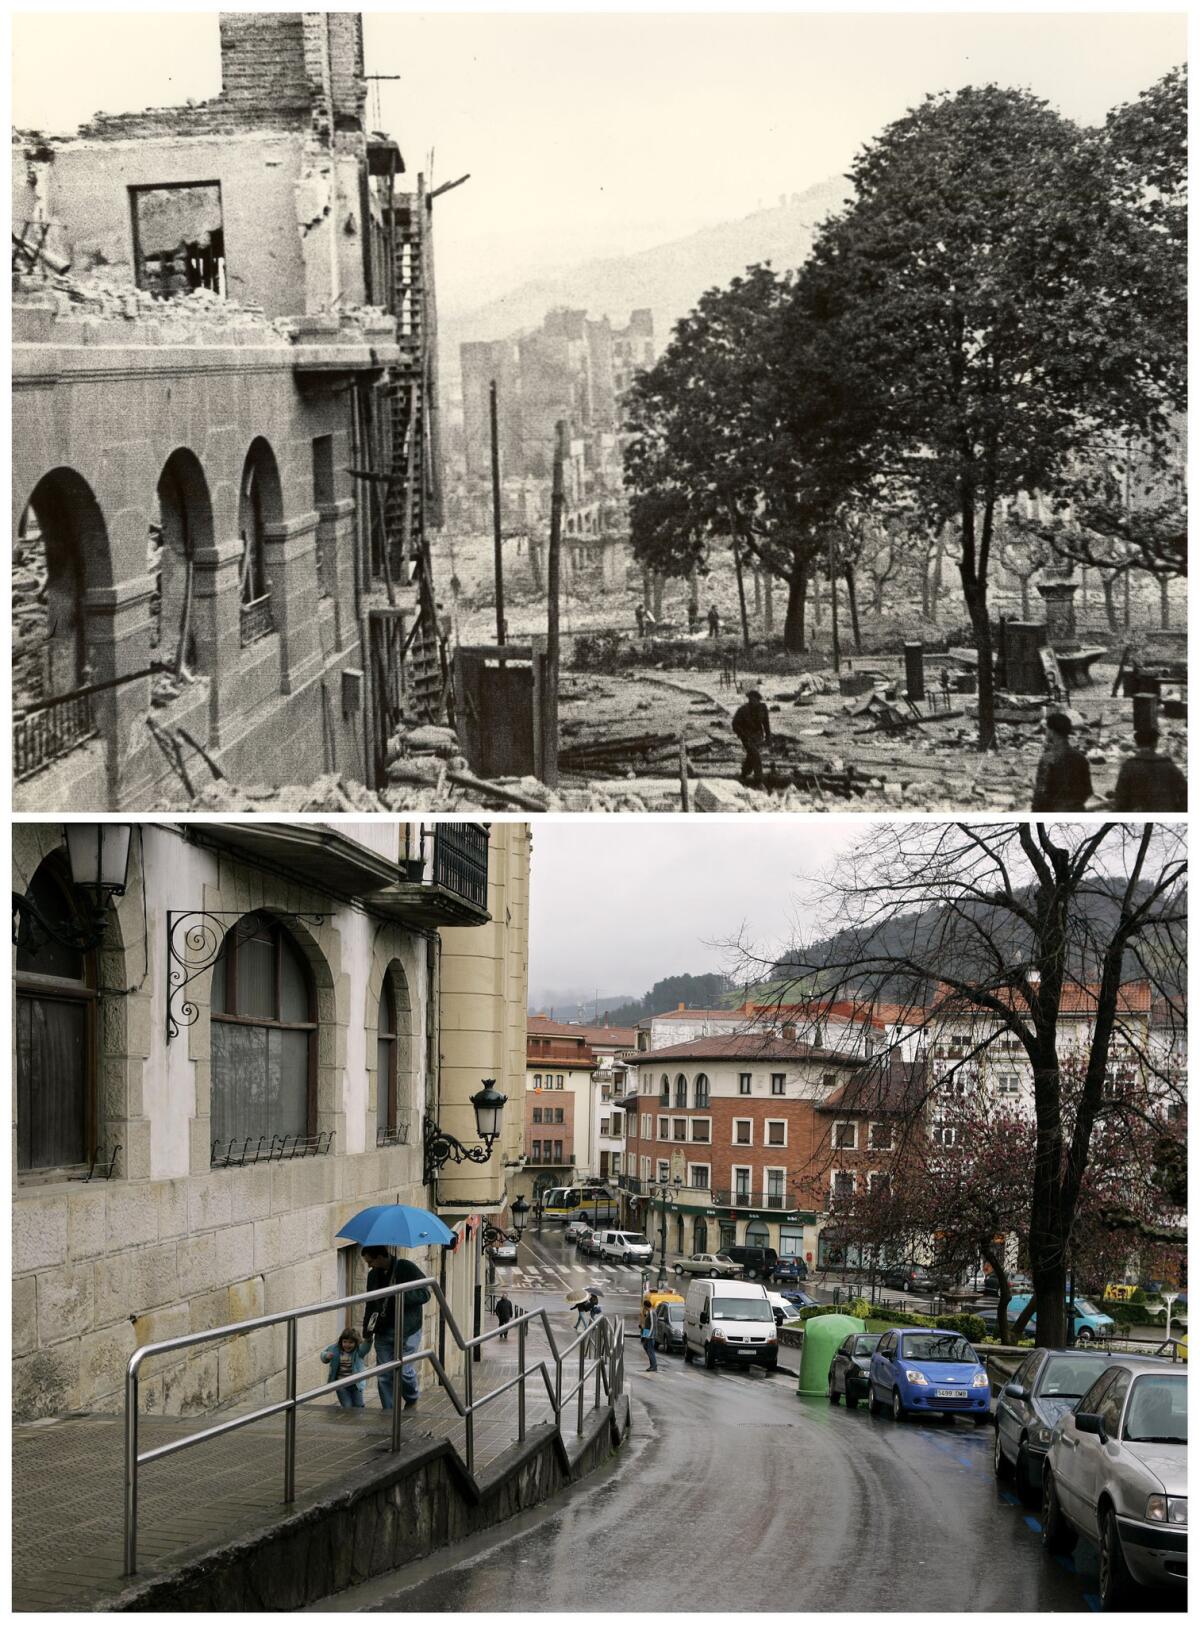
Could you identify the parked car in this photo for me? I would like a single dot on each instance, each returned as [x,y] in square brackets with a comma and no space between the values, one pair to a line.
[576,1228]
[589,1243]
[754,1261]
[783,1308]
[503,1252]
[668,1328]
[912,1278]
[798,1299]
[1090,1323]
[923,1371]
[729,1323]
[1116,1472]
[1045,1384]
[790,1269]
[625,1246]
[707,1264]
[850,1372]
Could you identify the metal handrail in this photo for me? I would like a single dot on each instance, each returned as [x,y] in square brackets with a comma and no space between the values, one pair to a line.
[604,1337]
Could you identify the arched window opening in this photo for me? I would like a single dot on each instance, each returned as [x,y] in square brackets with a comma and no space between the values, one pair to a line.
[393,1077]
[264,1039]
[664,1091]
[260,504]
[183,525]
[681,1090]
[701,1089]
[61,548]
[757,1234]
[55,1021]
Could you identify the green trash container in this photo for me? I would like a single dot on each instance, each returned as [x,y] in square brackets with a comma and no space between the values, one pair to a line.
[822,1336]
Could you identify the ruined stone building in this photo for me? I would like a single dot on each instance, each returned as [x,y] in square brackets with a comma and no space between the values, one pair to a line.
[225,446]
[275,1016]
[571,369]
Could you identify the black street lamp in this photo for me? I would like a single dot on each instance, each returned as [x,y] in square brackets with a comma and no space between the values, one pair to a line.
[664,1189]
[520,1214]
[98,855]
[442,1147]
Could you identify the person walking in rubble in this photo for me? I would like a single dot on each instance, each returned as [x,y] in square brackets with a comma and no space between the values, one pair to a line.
[1149,780]
[1064,781]
[714,622]
[752,725]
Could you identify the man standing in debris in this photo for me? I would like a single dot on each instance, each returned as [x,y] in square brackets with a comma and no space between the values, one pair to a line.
[1064,780]
[639,615]
[714,622]
[752,725]
[1149,781]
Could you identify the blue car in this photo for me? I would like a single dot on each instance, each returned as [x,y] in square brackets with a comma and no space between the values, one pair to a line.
[928,1370]
[1090,1323]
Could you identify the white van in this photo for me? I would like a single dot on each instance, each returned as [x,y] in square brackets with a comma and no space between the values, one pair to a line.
[729,1323]
[626,1246]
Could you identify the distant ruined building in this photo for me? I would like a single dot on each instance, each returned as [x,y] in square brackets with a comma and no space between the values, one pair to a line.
[572,369]
[225,458]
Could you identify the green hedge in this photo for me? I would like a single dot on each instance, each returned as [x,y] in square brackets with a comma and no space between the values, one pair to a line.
[969,1326]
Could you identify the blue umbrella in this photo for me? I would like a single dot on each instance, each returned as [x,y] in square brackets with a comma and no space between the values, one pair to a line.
[395,1225]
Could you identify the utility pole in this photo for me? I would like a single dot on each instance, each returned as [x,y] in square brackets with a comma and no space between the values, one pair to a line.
[837,653]
[550,706]
[497,547]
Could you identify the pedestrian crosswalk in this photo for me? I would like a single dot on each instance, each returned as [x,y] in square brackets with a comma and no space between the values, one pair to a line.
[547,1277]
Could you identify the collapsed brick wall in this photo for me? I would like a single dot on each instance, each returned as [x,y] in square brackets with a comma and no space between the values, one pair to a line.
[279,70]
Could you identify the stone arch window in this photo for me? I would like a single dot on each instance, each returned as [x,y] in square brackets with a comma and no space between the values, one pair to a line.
[393,1075]
[184,526]
[264,1036]
[61,550]
[701,1089]
[56,1038]
[664,1091]
[260,505]
[701,1243]
[757,1234]
[681,1090]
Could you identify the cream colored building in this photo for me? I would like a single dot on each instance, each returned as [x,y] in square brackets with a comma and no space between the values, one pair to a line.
[275,1013]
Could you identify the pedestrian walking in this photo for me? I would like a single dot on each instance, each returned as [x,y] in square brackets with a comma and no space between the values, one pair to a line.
[646,1332]
[1149,781]
[385,1270]
[504,1313]
[714,622]
[752,725]
[1064,780]
[346,1356]
[639,615]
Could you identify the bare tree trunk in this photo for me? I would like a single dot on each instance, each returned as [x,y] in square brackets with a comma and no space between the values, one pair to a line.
[975,593]
[852,596]
[936,592]
[1164,603]
[793,626]
[1109,584]
[1024,598]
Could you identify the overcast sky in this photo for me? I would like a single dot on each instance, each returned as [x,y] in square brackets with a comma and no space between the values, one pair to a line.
[617,904]
[590,134]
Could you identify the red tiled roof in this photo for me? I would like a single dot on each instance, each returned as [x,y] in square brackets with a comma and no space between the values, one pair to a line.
[752,1046]
[693,1015]
[882,1088]
[1077,1000]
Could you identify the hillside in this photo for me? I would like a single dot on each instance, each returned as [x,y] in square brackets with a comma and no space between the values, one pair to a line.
[667,279]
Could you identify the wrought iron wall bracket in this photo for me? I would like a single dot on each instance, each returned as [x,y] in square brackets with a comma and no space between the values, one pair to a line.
[441,1148]
[32,929]
[194,941]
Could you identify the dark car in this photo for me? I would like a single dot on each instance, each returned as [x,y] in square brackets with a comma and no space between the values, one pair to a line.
[794,1295]
[790,1269]
[911,1278]
[1017,1282]
[1045,1384]
[668,1328]
[849,1375]
[754,1261]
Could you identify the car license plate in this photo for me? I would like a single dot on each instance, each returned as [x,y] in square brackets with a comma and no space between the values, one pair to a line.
[747,1354]
[950,1393]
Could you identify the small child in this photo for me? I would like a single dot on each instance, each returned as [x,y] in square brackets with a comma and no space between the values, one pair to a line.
[347,1355]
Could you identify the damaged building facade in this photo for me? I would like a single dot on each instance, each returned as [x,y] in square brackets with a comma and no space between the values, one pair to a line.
[274,1020]
[225,448]
[574,369]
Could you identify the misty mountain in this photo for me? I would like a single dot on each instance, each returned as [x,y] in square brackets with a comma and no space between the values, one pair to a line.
[668,279]
[707,991]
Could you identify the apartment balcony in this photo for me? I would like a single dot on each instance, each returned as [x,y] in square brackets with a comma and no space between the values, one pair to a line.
[567,1161]
[447,884]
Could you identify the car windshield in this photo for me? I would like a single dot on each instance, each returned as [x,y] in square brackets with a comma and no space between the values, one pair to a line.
[868,1344]
[1084,1306]
[631,1240]
[742,1309]
[1157,1411]
[674,1311]
[944,1346]
[1067,1377]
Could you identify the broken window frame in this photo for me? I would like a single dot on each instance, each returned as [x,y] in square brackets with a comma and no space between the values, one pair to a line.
[221,285]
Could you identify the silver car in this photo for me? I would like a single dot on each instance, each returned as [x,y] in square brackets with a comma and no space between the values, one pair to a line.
[707,1264]
[1116,1472]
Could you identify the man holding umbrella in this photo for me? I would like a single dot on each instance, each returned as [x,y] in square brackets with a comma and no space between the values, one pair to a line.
[377,1230]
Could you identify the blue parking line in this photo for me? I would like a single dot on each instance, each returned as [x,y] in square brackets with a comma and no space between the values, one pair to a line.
[1009,1498]
[1033,1523]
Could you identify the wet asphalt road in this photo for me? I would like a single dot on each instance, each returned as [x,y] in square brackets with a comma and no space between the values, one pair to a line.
[733,1493]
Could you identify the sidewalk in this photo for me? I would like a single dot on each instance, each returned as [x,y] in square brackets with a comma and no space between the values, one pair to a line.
[67,1512]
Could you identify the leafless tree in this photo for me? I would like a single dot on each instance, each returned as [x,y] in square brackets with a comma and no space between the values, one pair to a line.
[1017,923]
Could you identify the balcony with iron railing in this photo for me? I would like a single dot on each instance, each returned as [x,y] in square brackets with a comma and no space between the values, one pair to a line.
[447,884]
[48,730]
[257,620]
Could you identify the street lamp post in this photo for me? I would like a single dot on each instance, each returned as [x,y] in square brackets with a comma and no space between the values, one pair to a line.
[663,1190]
